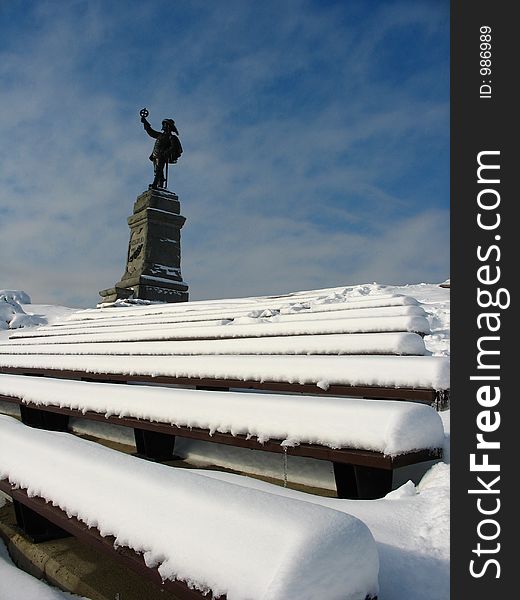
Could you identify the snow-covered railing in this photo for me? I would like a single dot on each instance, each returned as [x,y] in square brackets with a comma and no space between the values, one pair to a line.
[195,533]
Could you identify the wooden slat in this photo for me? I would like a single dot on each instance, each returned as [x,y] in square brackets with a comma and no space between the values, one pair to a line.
[397,344]
[186,331]
[365,458]
[425,396]
[91,536]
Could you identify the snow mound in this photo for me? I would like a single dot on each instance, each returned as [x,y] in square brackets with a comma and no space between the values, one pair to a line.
[12,315]
[257,545]
[16,295]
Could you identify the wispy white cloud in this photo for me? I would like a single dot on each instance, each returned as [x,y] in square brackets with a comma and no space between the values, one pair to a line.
[303,166]
[277,254]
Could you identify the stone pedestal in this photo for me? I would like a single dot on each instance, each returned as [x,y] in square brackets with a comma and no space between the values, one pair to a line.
[153,266]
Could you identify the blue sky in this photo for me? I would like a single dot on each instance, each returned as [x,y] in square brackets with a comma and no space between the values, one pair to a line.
[315,134]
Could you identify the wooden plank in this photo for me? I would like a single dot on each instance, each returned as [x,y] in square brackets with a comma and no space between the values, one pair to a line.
[364,458]
[91,536]
[375,344]
[422,395]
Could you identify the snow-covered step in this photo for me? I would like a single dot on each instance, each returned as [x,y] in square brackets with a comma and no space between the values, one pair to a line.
[427,372]
[391,428]
[213,535]
[412,323]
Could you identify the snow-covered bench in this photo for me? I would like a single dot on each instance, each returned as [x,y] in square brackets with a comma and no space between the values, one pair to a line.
[329,350]
[366,440]
[366,347]
[196,534]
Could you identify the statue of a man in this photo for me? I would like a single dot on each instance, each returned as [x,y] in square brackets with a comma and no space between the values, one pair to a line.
[166,150]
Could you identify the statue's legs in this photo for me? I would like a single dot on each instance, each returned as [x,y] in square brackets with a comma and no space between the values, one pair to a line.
[158,181]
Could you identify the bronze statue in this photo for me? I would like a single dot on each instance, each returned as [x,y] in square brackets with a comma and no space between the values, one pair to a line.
[166,150]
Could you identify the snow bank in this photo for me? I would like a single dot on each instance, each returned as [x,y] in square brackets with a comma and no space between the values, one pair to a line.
[212,534]
[383,371]
[380,425]
[12,315]
[16,296]
[435,301]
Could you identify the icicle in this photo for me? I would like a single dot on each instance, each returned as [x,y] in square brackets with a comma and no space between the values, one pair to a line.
[285,466]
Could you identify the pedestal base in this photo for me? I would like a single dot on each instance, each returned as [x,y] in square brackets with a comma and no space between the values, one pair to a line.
[153,268]
[145,290]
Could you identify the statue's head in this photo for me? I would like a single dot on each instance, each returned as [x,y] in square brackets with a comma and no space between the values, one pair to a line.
[168,125]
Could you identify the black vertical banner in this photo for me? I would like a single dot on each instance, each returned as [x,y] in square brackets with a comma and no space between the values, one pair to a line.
[485,165]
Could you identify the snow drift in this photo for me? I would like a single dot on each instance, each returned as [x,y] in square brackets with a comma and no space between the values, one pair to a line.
[12,315]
